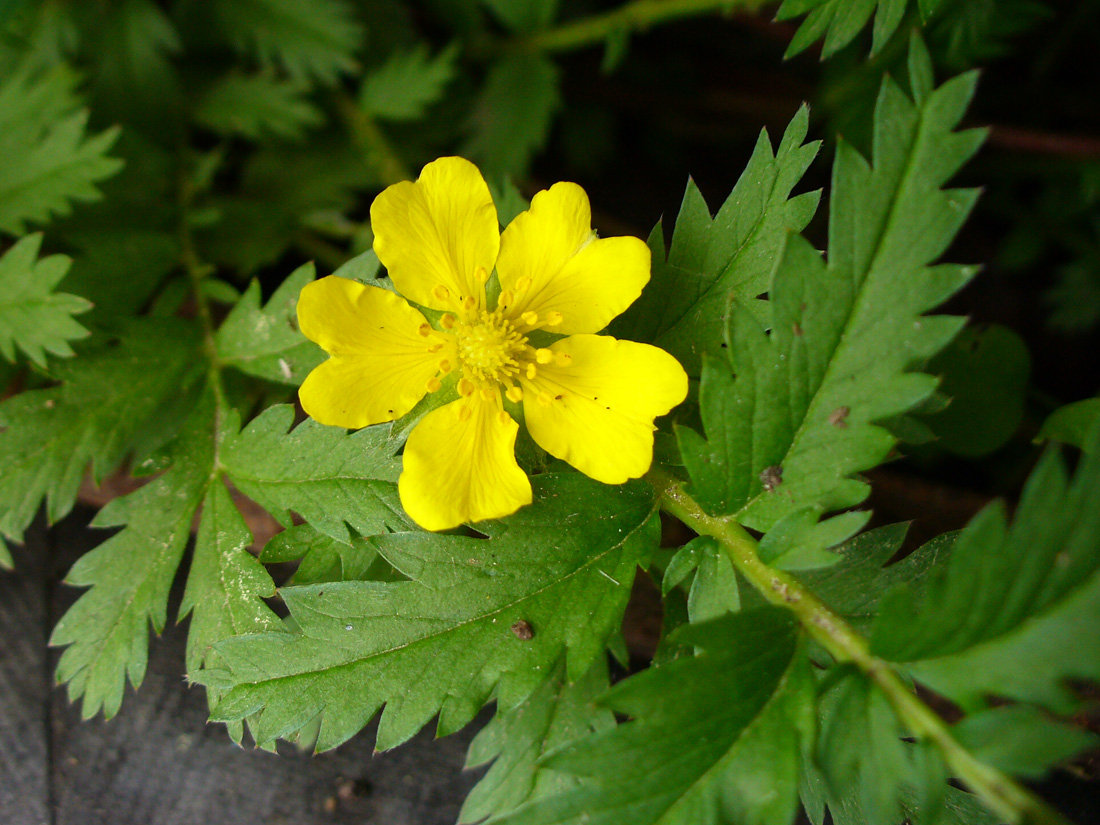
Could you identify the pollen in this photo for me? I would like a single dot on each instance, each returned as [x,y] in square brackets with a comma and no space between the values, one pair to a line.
[544,356]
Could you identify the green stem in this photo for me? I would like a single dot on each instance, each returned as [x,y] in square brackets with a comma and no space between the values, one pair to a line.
[634,16]
[1000,793]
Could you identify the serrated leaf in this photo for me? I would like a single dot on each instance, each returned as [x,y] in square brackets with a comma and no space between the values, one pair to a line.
[321,557]
[107,631]
[711,261]
[1028,591]
[100,411]
[443,643]
[266,341]
[408,83]
[310,39]
[839,21]
[715,738]
[329,477]
[557,713]
[49,162]
[257,107]
[791,414]
[32,316]
[1021,740]
[801,541]
[510,120]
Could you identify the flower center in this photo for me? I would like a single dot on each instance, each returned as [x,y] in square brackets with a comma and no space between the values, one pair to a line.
[489,348]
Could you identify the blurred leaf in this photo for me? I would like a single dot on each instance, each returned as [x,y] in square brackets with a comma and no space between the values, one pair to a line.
[1021,740]
[1072,423]
[524,15]
[257,107]
[408,83]
[33,317]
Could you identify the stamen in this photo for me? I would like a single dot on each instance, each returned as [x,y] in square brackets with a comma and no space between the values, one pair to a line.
[425,330]
[531,372]
[447,321]
[553,318]
[445,366]
[544,356]
[464,413]
[523,284]
[435,347]
[530,318]
[466,388]
[514,394]
[469,302]
[563,359]
[545,399]
[504,417]
[506,298]
[488,393]
[434,384]
[441,293]
[482,274]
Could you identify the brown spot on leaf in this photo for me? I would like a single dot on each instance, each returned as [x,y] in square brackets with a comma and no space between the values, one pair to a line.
[523,631]
[771,477]
[839,417]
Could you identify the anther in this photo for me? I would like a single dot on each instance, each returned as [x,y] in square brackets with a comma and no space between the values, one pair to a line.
[482,274]
[447,321]
[553,318]
[506,298]
[469,302]
[466,388]
[563,359]
[445,366]
[531,372]
[434,384]
[514,394]
[464,413]
[488,393]
[530,318]
[504,417]
[544,356]
[545,399]
[435,348]
[441,293]
[425,330]
[523,284]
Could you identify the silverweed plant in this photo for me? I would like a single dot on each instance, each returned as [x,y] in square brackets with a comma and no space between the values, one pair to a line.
[499,411]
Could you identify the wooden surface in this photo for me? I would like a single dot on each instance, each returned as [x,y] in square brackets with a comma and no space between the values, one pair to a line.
[158,762]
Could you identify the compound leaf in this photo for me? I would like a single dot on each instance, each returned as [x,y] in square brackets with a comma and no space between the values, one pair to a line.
[32,316]
[97,415]
[330,478]
[558,712]
[265,341]
[715,738]
[791,414]
[1025,591]
[480,615]
[48,159]
[711,261]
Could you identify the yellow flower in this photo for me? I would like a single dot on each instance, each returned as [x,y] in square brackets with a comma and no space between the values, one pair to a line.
[587,399]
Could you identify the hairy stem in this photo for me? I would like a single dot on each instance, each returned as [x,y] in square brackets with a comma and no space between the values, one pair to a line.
[634,16]
[999,792]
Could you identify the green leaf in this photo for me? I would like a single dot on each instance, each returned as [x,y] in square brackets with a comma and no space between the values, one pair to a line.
[257,107]
[839,21]
[266,341]
[791,414]
[801,541]
[443,642]
[524,16]
[985,374]
[715,738]
[322,558]
[685,307]
[48,160]
[408,83]
[1072,423]
[1028,591]
[330,478]
[714,590]
[130,574]
[1021,740]
[310,39]
[32,316]
[510,120]
[558,712]
[104,406]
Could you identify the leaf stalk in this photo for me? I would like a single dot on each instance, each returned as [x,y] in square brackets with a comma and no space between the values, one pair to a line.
[1000,793]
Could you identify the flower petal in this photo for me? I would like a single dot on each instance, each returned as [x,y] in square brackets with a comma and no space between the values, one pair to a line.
[381,361]
[460,465]
[439,231]
[597,411]
[551,260]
